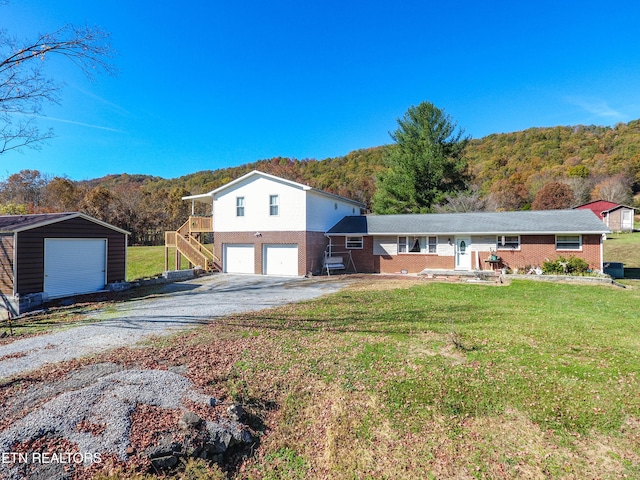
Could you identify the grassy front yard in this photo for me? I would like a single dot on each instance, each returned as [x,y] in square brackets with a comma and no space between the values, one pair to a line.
[446,381]
[623,247]
[410,379]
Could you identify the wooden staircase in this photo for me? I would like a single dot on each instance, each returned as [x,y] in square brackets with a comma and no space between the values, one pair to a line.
[187,244]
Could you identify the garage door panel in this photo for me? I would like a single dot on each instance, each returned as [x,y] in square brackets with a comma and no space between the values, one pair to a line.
[281,259]
[74,266]
[239,258]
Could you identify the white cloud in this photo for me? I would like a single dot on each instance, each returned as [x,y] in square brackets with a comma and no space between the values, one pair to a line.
[597,108]
[82,124]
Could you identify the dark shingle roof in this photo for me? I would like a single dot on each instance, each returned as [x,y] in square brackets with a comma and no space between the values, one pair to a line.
[18,223]
[482,223]
[11,223]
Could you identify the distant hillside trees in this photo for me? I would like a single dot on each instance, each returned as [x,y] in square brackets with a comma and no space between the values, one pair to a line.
[504,172]
[617,189]
[425,163]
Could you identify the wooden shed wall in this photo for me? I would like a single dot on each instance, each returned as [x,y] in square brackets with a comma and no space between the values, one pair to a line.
[30,251]
[6,264]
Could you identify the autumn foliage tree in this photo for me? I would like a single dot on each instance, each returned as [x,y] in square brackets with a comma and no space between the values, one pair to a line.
[617,189]
[553,196]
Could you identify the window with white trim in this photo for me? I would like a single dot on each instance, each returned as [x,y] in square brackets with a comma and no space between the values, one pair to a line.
[239,206]
[274,205]
[408,244]
[568,242]
[508,242]
[432,244]
[354,243]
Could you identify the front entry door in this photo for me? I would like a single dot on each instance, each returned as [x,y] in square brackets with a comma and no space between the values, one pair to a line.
[463,253]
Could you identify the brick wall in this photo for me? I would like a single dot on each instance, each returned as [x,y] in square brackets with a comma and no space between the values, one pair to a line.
[415,263]
[311,246]
[316,243]
[535,249]
[362,257]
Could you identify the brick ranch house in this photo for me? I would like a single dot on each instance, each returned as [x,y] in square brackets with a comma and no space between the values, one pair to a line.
[263,224]
[468,241]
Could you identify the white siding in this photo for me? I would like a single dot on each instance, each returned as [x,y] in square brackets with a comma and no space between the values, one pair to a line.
[256,192]
[483,244]
[324,212]
[444,249]
[385,246]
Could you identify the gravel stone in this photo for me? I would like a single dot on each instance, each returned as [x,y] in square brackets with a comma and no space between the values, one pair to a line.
[178,306]
[110,400]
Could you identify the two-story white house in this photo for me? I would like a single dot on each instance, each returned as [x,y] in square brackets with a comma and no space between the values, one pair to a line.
[264,224]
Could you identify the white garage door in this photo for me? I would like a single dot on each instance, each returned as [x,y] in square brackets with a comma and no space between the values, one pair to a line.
[281,259]
[73,266]
[239,259]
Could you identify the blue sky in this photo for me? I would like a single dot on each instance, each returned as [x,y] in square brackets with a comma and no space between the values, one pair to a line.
[209,84]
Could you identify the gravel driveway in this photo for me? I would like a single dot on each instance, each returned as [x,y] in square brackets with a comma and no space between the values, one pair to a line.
[180,306]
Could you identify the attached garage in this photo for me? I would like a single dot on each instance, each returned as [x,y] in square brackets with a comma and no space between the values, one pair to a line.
[280,260]
[239,258]
[57,255]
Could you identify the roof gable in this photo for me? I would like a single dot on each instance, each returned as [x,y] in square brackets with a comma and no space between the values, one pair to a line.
[598,206]
[20,223]
[207,197]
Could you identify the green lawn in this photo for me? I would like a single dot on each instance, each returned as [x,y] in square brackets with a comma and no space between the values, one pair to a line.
[623,247]
[148,261]
[530,380]
[413,379]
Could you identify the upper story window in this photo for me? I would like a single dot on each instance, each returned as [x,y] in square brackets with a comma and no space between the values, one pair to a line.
[239,206]
[274,205]
[508,242]
[354,242]
[568,242]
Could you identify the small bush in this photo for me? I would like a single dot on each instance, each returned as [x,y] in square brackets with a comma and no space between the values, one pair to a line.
[565,266]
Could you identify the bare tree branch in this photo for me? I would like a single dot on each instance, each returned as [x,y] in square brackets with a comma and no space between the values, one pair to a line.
[24,86]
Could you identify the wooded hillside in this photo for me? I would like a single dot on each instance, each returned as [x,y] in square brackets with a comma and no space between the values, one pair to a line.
[507,171]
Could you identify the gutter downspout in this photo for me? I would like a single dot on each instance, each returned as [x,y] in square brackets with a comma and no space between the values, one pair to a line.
[15,263]
[602,239]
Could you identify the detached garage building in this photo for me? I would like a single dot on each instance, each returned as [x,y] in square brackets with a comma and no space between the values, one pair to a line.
[57,255]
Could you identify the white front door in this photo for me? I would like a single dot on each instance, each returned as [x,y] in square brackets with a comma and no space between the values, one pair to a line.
[463,253]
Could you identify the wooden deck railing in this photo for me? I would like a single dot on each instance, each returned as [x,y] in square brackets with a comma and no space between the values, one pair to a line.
[170,239]
[192,253]
[188,246]
[200,224]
